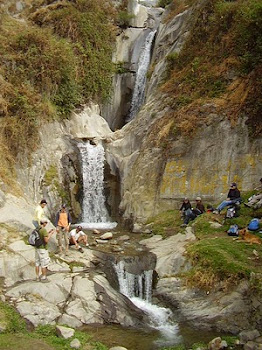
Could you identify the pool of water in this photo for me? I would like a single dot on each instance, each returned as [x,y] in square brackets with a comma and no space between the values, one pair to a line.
[139,339]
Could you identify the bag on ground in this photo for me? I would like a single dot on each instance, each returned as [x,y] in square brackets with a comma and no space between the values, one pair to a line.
[253,225]
[231,213]
[233,230]
[34,238]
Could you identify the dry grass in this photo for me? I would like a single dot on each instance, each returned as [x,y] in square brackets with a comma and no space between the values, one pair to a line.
[213,65]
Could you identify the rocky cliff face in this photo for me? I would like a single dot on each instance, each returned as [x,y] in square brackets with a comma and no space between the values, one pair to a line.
[159,165]
[151,164]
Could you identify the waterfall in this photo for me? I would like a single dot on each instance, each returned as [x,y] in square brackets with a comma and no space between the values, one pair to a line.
[140,82]
[134,285]
[138,288]
[94,212]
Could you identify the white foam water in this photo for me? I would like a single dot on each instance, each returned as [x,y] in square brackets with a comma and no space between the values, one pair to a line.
[138,288]
[94,212]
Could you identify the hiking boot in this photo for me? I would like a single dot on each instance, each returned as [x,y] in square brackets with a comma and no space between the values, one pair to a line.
[183,225]
[247,205]
[81,250]
[45,280]
[87,245]
[216,212]
[37,279]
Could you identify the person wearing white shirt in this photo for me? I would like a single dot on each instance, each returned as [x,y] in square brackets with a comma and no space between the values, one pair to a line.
[77,236]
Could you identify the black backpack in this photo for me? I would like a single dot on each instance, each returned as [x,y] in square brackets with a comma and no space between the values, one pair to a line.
[34,238]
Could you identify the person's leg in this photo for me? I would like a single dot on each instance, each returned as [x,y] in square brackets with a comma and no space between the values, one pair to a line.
[44,258]
[37,264]
[35,223]
[258,204]
[83,239]
[223,205]
[59,238]
[65,233]
[73,241]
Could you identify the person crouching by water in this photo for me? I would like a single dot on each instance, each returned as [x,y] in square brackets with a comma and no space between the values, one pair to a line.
[62,222]
[41,253]
[77,236]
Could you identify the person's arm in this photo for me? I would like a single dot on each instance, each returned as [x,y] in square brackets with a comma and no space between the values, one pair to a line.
[73,239]
[48,235]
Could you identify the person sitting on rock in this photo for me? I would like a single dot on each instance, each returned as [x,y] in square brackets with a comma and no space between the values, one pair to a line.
[77,236]
[62,223]
[255,201]
[191,214]
[232,198]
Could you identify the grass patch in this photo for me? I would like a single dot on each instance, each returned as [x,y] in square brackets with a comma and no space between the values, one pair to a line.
[166,223]
[215,256]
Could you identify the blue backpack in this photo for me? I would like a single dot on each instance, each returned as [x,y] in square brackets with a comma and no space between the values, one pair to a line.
[233,230]
[253,225]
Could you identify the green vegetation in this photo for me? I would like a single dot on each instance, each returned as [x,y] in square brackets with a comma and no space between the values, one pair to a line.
[124,19]
[55,61]
[221,59]
[51,180]
[16,335]
[166,223]
[164,3]
[215,256]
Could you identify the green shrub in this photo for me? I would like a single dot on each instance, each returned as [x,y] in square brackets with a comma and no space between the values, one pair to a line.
[164,3]
[124,19]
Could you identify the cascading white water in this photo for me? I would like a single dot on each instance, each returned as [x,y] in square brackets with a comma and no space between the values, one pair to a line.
[134,285]
[138,288]
[94,212]
[140,82]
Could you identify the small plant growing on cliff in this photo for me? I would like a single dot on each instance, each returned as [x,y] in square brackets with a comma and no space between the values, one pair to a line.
[124,19]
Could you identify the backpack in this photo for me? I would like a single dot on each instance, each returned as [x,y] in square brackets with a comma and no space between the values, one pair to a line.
[34,238]
[231,213]
[253,225]
[233,230]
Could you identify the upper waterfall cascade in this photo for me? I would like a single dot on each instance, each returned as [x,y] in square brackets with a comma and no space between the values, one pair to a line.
[94,212]
[140,82]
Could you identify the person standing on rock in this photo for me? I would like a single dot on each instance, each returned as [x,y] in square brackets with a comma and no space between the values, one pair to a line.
[39,213]
[41,253]
[62,223]
[77,236]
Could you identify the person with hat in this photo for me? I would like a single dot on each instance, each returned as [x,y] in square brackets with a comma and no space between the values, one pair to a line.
[200,208]
[41,253]
[62,222]
[232,198]
[40,213]
[193,213]
[77,236]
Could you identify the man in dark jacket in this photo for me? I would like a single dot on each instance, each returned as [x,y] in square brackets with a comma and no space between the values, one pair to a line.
[232,198]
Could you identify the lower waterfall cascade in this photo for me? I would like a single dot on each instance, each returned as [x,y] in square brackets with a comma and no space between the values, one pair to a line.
[138,288]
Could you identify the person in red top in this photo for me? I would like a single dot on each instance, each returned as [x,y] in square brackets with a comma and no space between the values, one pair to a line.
[62,223]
